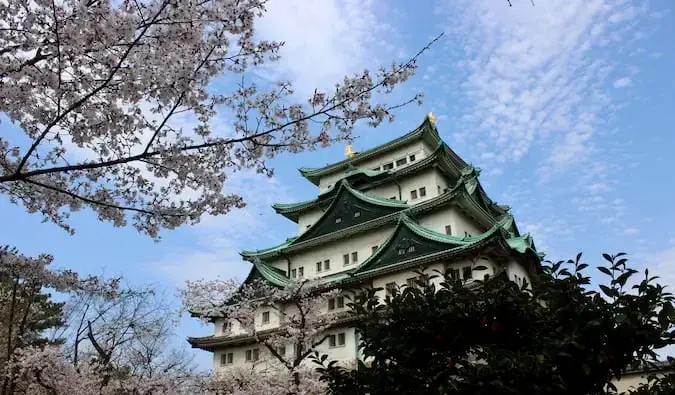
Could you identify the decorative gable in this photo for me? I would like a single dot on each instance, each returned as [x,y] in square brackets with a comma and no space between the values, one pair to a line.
[410,241]
[349,208]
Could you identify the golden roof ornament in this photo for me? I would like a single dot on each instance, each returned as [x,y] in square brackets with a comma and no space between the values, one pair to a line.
[348,151]
[432,119]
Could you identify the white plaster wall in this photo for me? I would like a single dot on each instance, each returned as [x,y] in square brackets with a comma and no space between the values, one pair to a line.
[308,219]
[516,269]
[341,353]
[362,243]
[239,357]
[417,148]
[430,179]
[632,380]
[451,215]
[437,269]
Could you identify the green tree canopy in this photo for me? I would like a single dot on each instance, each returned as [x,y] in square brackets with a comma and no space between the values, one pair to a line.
[556,336]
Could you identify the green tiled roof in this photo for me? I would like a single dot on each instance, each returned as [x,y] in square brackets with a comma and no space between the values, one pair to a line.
[453,244]
[442,156]
[425,129]
[466,189]
[380,201]
[261,270]
[343,185]
[270,249]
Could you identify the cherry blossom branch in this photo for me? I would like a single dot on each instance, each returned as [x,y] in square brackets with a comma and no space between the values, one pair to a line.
[98,202]
[83,99]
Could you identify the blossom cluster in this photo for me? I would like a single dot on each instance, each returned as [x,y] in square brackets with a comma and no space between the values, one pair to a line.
[101,91]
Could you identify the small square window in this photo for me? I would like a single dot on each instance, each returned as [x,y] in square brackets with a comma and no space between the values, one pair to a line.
[227,358]
[332,341]
[266,317]
[355,257]
[331,304]
[225,328]
[338,220]
[294,273]
[453,273]
[281,350]
[388,166]
[249,355]
[357,214]
[341,339]
[256,354]
[448,229]
[411,158]
[326,264]
[466,272]
[340,302]
[319,266]
[411,248]
[345,259]
[411,282]
[401,251]
[401,162]
[413,194]
[301,272]
[390,289]
[373,249]
[423,192]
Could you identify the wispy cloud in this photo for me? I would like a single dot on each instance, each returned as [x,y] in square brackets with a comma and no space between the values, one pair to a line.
[537,86]
[623,82]
[325,40]
[220,239]
[537,77]
[662,264]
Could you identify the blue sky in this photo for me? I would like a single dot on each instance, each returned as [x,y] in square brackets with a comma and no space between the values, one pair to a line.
[567,106]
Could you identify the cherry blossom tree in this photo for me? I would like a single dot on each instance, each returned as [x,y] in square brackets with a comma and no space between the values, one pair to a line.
[117,103]
[302,319]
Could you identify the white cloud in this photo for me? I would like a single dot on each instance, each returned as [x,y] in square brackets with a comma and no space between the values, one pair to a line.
[220,239]
[662,264]
[623,82]
[538,76]
[598,187]
[325,40]
[631,231]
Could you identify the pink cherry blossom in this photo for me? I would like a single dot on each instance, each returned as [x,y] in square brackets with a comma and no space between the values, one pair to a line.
[99,88]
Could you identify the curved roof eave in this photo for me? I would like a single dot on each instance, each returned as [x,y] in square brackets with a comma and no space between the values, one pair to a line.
[314,174]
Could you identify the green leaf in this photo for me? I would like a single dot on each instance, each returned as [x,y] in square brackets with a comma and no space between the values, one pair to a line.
[621,280]
[608,291]
[608,258]
[582,266]
[605,270]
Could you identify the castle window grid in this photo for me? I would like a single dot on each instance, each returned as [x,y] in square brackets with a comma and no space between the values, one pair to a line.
[336,303]
[336,340]
[227,359]
[252,355]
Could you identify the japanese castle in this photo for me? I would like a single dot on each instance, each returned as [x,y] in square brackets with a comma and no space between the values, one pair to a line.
[380,216]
